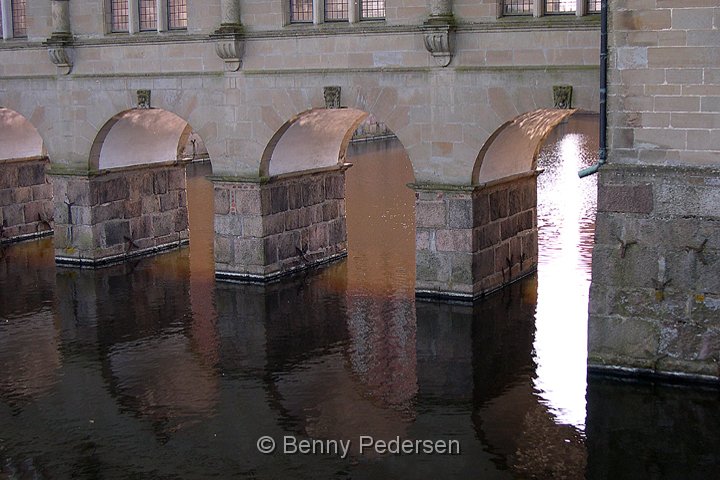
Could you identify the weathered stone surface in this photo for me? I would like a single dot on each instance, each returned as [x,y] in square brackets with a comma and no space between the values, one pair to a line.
[625,198]
[117,232]
[31,174]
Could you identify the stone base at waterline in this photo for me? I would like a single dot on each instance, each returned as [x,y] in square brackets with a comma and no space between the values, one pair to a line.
[268,230]
[655,292]
[118,215]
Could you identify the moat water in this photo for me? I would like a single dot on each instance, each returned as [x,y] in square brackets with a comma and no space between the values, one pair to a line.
[153,370]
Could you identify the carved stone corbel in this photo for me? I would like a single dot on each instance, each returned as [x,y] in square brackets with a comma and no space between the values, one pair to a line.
[439,42]
[230,48]
[61,57]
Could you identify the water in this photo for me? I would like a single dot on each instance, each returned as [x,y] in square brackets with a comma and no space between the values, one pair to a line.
[151,370]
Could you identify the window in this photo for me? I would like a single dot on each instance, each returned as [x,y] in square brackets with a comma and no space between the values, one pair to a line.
[301,11]
[1,28]
[336,10]
[518,7]
[177,14]
[560,6]
[372,9]
[18,19]
[119,16]
[148,15]
[593,6]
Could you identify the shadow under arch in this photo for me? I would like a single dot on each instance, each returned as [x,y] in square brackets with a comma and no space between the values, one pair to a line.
[312,140]
[19,139]
[144,136]
[514,147]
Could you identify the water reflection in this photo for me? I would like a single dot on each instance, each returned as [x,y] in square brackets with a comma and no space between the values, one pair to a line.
[566,226]
[152,370]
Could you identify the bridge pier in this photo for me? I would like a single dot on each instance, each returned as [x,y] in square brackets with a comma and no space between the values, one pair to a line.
[655,292]
[108,217]
[473,240]
[25,200]
[266,229]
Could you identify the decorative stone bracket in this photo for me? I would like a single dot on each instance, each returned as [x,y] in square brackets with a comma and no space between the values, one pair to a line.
[562,96]
[61,52]
[332,96]
[230,46]
[438,41]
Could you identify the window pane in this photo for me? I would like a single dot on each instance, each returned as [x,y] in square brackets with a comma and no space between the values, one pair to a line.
[148,15]
[336,10]
[372,9]
[518,7]
[301,11]
[1,30]
[177,14]
[119,15]
[560,6]
[18,18]
[593,6]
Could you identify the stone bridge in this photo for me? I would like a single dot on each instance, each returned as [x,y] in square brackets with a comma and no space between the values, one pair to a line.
[101,102]
[274,100]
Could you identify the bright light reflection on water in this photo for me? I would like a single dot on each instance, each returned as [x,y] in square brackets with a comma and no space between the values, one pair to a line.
[566,216]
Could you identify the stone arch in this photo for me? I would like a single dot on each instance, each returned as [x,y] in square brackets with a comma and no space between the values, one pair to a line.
[315,139]
[391,104]
[514,147]
[140,137]
[19,139]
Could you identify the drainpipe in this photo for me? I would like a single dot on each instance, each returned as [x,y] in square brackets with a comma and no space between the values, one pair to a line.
[603,93]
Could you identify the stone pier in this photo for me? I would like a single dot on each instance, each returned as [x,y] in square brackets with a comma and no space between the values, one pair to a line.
[25,200]
[118,214]
[268,229]
[473,240]
[655,294]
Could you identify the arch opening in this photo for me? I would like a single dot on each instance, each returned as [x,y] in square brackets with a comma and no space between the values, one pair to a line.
[514,147]
[145,137]
[315,139]
[19,139]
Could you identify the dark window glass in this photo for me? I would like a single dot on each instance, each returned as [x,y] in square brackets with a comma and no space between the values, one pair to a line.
[518,7]
[372,9]
[119,15]
[301,11]
[560,6]
[18,19]
[148,15]
[177,14]
[336,10]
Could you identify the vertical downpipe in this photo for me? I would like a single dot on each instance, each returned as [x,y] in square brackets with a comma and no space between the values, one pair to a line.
[603,93]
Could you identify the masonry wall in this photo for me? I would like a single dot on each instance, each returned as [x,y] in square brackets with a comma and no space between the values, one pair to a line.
[25,199]
[655,297]
[266,230]
[119,214]
[473,241]
[505,235]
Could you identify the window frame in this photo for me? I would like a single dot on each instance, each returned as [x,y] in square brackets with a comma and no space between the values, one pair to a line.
[16,19]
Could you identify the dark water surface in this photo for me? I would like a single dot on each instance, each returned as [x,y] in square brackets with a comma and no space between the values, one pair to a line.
[152,370]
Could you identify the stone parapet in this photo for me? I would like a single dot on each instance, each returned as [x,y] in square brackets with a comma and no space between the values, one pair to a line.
[106,218]
[655,293]
[25,200]
[471,241]
[266,230]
